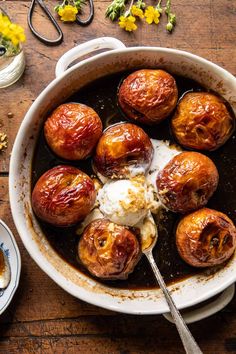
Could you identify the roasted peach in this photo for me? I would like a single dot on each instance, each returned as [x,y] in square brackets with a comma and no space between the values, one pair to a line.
[108,250]
[187,182]
[123,150]
[72,131]
[148,96]
[63,196]
[205,238]
[202,121]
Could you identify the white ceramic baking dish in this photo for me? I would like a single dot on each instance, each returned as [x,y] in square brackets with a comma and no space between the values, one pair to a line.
[186,293]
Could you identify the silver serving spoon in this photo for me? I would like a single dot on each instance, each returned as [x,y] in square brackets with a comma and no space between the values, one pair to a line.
[5,270]
[149,237]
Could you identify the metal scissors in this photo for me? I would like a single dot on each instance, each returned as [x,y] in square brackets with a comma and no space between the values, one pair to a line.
[59,39]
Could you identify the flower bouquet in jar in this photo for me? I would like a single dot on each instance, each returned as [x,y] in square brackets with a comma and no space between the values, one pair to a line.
[12,61]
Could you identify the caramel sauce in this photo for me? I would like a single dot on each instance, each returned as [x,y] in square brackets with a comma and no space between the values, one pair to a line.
[2,263]
[101,95]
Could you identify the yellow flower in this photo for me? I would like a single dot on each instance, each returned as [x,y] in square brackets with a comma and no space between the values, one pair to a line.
[11,31]
[68,13]
[136,11]
[152,15]
[4,22]
[4,19]
[127,22]
[16,34]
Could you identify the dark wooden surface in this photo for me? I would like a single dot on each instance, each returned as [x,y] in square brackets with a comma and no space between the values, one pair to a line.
[42,318]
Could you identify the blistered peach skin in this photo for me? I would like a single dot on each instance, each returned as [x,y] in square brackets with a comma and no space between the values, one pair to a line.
[148,96]
[63,196]
[72,131]
[187,182]
[202,121]
[122,148]
[205,238]
[108,250]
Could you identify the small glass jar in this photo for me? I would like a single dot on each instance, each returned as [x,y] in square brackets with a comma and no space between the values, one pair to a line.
[12,62]
[11,68]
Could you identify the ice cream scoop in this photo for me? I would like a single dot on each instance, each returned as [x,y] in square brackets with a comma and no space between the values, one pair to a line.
[125,202]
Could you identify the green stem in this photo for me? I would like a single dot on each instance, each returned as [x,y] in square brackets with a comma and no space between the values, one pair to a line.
[11,49]
[158,7]
[128,12]
[115,9]
[168,4]
[171,18]
[140,4]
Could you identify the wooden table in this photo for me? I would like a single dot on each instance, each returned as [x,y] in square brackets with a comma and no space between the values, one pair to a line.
[43,318]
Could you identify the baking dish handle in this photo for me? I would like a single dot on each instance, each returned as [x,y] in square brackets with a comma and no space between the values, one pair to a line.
[205,311]
[84,49]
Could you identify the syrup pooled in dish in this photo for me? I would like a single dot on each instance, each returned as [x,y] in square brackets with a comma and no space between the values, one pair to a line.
[148,96]
[124,150]
[154,150]
[202,121]
[72,131]
[5,270]
[205,238]
[108,250]
[63,196]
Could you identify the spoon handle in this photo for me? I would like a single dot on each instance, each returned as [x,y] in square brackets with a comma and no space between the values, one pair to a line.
[189,343]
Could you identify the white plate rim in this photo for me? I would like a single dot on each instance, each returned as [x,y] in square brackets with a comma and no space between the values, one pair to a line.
[18,267]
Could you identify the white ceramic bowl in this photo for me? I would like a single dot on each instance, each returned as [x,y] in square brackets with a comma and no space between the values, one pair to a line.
[185,293]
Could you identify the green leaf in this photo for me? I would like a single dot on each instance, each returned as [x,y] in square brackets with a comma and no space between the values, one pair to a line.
[57,8]
[172,19]
[115,9]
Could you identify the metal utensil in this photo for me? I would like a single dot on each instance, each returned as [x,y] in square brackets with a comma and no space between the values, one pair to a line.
[56,41]
[5,270]
[59,39]
[89,19]
[149,237]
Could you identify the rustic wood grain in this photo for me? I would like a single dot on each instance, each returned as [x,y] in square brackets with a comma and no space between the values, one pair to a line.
[206,29]
[43,318]
[199,30]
